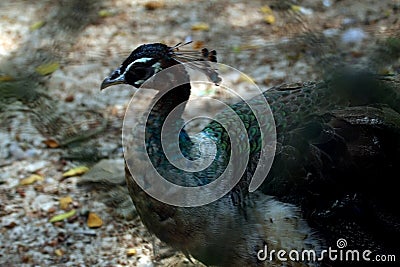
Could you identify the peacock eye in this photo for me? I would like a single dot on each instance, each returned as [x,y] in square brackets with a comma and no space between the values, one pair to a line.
[142,72]
[138,75]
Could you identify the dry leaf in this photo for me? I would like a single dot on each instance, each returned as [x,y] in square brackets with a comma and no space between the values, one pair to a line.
[269,15]
[69,98]
[37,25]
[198,44]
[63,216]
[131,252]
[270,19]
[47,68]
[266,10]
[10,225]
[51,143]
[236,49]
[6,78]
[59,252]
[94,221]
[64,202]
[295,8]
[76,171]
[31,179]
[105,13]
[201,26]
[152,5]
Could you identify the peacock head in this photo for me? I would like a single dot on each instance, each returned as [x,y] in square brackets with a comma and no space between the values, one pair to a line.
[148,59]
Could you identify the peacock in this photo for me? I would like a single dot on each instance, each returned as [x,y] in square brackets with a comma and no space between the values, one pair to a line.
[332,177]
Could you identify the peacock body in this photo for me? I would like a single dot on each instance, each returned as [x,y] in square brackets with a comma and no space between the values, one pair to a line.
[337,155]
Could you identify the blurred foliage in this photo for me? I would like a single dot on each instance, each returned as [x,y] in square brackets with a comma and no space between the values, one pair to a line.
[23,86]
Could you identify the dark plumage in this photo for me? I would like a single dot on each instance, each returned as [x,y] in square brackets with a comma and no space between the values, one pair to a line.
[337,157]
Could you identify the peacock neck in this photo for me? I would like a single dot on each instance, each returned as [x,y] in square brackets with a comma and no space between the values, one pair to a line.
[173,87]
[170,102]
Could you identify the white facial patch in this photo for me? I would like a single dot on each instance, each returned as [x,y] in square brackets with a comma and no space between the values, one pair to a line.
[139,60]
[157,67]
[139,82]
[142,60]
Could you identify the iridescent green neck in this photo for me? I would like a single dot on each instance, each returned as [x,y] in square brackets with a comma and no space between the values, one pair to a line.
[169,102]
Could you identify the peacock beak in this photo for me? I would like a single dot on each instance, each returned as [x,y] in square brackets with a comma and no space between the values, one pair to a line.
[115,78]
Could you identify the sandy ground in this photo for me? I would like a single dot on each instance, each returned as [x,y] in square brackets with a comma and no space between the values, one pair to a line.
[53,57]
